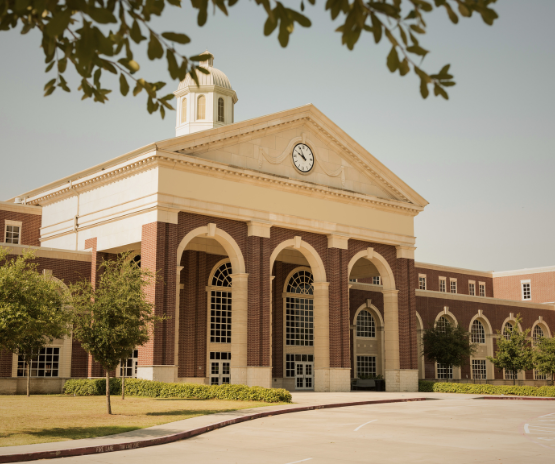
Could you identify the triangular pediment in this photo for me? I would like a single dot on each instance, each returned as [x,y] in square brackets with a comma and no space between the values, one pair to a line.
[266,144]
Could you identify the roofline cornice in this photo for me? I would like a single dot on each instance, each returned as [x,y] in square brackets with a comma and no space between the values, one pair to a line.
[214,168]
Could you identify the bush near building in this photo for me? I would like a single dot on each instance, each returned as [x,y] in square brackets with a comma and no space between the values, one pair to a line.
[152,389]
[484,389]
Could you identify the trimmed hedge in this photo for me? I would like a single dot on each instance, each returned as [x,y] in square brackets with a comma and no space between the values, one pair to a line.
[149,388]
[484,389]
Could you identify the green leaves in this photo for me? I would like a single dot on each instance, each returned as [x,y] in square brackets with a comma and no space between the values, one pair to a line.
[74,34]
[448,344]
[123,85]
[175,37]
[393,60]
[155,49]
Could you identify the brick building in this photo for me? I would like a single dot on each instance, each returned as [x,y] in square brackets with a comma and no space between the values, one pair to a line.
[286,252]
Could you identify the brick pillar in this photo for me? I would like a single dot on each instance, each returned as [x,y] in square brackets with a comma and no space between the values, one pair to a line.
[259,344]
[405,279]
[159,255]
[6,358]
[258,262]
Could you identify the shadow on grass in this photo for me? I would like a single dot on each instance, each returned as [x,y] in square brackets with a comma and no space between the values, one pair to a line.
[68,433]
[188,412]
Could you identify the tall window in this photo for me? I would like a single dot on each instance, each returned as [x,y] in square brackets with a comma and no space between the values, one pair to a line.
[220,109]
[511,375]
[442,323]
[422,282]
[299,311]
[444,371]
[376,280]
[366,327]
[442,285]
[526,291]
[46,364]
[539,376]
[471,288]
[482,288]
[220,306]
[479,369]
[477,332]
[13,233]
[129,366]
[537,334]
[366,366]
[184,110]
[201,107]
[507,329]
[453,285]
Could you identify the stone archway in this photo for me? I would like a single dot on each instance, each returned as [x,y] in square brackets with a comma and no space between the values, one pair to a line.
[324,377]
[240,297]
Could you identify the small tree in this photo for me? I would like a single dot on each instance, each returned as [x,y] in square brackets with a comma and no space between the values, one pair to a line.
[514,351]
[544,356]
[116,317]
[447,344]
[33,309]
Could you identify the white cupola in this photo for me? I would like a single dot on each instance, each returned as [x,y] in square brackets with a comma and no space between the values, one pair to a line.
[208,105]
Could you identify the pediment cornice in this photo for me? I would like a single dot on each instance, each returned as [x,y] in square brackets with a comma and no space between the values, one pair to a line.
[214,168]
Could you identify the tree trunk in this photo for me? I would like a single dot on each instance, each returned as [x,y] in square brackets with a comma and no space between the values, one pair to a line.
[28,376]
[108,405]
[123,381]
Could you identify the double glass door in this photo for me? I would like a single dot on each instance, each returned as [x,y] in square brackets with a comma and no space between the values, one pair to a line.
[304,375]
[220,368]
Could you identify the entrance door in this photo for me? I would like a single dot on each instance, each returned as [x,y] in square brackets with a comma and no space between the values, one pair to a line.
[220,368]
[304,376]
[128,367]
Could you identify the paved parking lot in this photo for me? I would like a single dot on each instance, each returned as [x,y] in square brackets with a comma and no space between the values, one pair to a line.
[452,429]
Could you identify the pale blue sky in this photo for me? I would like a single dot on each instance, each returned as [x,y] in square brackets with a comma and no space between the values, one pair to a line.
[484,159]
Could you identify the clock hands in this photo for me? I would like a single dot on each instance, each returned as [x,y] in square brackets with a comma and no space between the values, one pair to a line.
[301,153]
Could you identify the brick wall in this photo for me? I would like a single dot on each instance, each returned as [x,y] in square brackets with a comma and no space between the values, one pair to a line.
[432,281]
[280,272]
[159,255]
[542,287]
[464,311]
[30,227]
[193,312]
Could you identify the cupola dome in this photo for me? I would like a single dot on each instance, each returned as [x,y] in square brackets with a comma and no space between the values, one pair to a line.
[208,105]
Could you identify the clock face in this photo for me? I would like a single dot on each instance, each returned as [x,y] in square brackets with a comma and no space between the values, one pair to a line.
[303,158]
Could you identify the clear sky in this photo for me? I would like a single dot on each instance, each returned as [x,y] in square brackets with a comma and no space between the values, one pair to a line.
[485,160]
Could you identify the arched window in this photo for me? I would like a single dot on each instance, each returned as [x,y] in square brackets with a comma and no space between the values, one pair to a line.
[184,110]
[537,334]
[366,326]
[442,323]
[220,305]
[201,107]
[507,329]
[477,332]
[299,312]
[220,109]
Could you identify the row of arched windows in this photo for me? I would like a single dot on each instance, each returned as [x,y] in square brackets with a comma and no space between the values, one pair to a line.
[201,109]
[478,332]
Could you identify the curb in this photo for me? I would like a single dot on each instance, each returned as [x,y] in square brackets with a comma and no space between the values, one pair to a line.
[522,398]
[181,435]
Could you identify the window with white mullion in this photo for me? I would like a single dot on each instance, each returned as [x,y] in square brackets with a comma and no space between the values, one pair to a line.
[472,288]
[46,363]
[444,371]
[479,369]
[453,285]
[482,289]
[526,290]
[422,282]
[477,332]
[442,285]
[366,326]
[366,366]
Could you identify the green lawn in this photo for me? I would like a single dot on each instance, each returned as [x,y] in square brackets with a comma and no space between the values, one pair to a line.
[49,418]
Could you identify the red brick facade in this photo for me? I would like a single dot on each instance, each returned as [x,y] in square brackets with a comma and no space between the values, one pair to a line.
[432,281]
[30,227]
[542,287]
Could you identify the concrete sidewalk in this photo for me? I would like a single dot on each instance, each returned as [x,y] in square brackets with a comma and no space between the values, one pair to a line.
[163,433]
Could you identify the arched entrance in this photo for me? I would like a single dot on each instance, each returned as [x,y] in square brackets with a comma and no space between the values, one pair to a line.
[222,249]
[296,261]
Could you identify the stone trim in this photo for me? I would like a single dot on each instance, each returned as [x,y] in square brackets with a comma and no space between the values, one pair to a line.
[44,252]
[483,300]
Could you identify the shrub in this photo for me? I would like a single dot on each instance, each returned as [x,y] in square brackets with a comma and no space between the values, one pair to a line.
[484,389]
[152,389]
